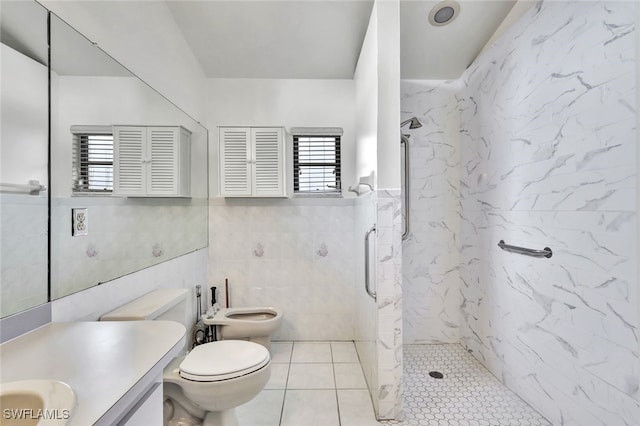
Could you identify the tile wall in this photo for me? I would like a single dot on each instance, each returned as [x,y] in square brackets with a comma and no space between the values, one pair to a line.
[389,303]
[430,254]
[366,312]
[116,244]
[548,158]
[378,331]
[23,270]
[296,254]
[547,146]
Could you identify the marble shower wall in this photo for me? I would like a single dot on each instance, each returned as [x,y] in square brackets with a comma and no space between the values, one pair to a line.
[548,158]
[388,286]
[366,310]
[297,254]
[378,331]
[430,255]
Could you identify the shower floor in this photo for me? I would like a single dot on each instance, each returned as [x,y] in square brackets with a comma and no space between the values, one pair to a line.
[467,395]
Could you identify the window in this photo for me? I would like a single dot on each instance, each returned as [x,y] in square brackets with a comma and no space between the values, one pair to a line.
[316,161]
[92,159]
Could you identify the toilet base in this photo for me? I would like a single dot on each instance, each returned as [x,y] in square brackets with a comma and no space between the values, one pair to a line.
[221,418]
[176,415]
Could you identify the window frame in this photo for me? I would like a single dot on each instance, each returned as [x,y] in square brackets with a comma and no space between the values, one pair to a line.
[317,133]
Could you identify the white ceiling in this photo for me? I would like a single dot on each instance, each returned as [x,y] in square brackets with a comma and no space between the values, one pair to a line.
[444,52]
[274,39]
[322,39]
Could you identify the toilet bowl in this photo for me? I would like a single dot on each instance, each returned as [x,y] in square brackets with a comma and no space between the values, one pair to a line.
[255,324]
[204,386]
[213,379]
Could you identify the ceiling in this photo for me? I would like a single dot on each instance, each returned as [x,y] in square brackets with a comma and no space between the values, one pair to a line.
[444,52]
[322,39]
[274,39]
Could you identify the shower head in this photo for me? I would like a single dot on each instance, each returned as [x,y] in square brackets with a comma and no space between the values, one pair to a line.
[414,123]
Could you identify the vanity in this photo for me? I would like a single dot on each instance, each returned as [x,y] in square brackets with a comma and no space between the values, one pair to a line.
[114,368]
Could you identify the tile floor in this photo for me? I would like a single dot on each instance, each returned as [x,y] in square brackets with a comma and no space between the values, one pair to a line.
[312,384]
[322,384]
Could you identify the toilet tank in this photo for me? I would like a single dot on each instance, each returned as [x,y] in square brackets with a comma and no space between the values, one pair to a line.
[162,304]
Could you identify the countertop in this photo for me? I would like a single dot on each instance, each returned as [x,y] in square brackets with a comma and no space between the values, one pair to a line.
[101,361]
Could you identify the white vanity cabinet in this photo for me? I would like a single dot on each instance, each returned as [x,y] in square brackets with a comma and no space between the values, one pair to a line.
[151,161]
[252,162]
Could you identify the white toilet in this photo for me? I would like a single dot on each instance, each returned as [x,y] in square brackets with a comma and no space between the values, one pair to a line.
[255,324]
[203,387]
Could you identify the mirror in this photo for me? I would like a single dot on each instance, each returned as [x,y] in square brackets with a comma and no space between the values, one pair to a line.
[91,93]
[23,156]
[40,259]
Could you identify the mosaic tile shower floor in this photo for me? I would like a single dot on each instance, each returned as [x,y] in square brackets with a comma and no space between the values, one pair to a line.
[468,395]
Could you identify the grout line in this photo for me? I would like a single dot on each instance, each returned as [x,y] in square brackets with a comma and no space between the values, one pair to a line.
[335,384]
[286,385]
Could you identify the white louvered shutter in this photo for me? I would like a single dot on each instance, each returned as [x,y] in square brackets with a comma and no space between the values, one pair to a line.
[162,160]
[268,161]
[235,161]
[129,156]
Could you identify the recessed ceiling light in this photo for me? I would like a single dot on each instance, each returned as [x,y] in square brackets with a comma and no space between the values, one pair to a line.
[444,12]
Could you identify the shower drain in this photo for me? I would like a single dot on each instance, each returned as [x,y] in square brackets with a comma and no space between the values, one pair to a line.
[436,374]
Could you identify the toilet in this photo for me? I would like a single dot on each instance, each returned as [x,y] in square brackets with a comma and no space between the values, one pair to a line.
[204,386]
[255,324]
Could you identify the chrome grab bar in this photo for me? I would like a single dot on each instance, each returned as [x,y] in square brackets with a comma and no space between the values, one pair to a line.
[404,142]
[367,287]
[546,252]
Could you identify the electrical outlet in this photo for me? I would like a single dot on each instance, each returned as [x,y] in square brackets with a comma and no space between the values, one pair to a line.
[79,222]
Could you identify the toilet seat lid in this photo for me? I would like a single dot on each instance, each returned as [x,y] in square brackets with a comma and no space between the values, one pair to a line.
[222,360]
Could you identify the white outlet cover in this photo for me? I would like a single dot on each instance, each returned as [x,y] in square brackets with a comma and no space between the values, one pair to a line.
[79,222]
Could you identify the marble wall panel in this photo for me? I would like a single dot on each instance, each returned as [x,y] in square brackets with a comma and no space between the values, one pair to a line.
[548,158]
[389,303]
[430,254]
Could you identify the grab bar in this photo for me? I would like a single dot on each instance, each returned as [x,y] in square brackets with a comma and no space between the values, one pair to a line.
[407,178]
[367,288]
[546,252]
[32,188]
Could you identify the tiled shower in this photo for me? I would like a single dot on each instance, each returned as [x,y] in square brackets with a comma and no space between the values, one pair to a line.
[535,145]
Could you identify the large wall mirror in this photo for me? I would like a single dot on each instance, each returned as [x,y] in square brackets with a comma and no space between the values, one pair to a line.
[23,156]
[96,233]
[90,94]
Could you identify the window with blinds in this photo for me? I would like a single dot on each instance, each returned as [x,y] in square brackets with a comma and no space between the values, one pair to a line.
[93,162]
[316,164]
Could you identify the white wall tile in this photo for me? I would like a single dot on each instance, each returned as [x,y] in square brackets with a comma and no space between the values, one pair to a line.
[548,159]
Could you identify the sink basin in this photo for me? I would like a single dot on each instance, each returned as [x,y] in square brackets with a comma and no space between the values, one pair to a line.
[36,402]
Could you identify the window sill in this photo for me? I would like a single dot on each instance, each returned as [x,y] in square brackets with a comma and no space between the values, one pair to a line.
[312,195]
[92,194]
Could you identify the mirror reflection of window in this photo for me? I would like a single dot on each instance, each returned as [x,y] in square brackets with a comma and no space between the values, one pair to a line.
[92,159]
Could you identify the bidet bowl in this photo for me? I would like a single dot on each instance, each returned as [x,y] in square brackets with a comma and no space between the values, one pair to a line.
[256,324]
[26,402]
